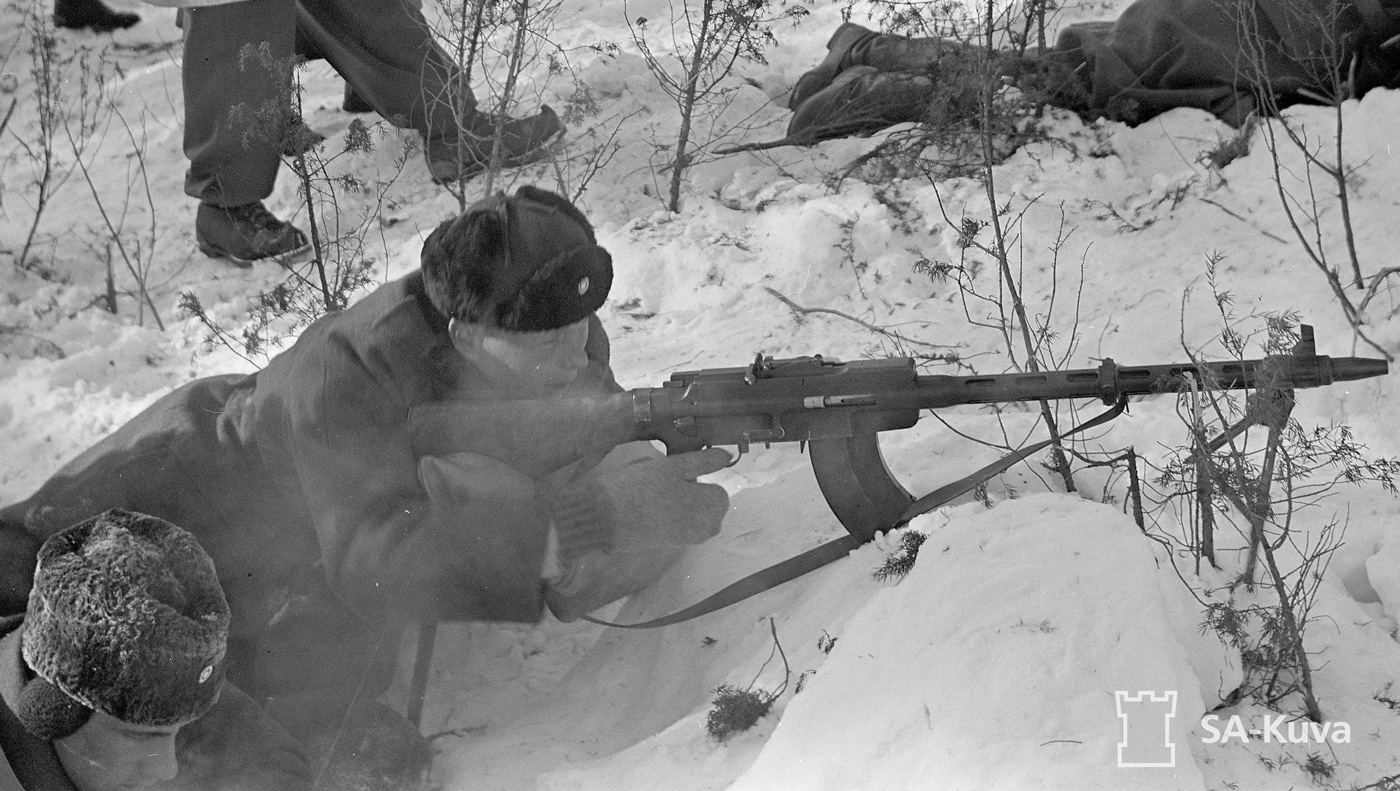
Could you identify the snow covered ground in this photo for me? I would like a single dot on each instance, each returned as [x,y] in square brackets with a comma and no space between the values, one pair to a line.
[994,664]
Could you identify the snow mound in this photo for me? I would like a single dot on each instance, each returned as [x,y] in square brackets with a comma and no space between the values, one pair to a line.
[995,662]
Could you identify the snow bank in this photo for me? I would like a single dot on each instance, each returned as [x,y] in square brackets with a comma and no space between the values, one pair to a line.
[995,662]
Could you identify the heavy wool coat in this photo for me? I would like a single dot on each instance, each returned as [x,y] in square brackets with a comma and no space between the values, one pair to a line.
[233,747]
[1223,55]
[306,475]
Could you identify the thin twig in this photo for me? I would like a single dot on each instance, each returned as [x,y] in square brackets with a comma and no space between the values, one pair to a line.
[1244,220]
[765,145]
[4,122]
[796,308]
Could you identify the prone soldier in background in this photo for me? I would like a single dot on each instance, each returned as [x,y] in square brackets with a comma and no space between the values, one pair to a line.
[1231,59]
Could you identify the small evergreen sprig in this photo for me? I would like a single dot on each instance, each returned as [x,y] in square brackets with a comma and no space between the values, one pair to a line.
[901,562]
[736,710]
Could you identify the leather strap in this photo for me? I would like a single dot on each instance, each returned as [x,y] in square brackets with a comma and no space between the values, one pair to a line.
[944,493]
[755,583]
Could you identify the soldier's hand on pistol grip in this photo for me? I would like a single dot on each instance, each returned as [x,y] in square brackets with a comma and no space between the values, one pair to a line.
[646,504]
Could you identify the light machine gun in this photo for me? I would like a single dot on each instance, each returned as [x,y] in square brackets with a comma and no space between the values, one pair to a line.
[836,408]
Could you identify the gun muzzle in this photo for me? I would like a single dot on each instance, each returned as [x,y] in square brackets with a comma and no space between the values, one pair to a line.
[1349,369]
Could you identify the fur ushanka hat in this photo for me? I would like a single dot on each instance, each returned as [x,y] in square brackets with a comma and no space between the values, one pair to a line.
[526,262]
[126,617]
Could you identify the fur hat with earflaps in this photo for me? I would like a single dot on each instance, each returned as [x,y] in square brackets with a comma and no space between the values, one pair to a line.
[526,262]
[126,617]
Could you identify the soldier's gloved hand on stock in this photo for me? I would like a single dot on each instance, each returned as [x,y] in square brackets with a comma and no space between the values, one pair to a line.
[648,503]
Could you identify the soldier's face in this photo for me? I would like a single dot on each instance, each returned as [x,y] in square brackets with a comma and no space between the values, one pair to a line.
[107,754]
[525,364]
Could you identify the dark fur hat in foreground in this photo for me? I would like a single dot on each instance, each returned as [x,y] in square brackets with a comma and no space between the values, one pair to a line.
[126,617]
[526,262]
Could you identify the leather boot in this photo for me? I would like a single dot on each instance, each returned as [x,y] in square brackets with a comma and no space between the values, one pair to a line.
[861,100]
[91,14]
[838,58]
[247,233]
[466,153]
[853,45]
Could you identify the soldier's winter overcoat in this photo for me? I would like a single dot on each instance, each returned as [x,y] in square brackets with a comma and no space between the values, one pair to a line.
[1222,55]
[305,477]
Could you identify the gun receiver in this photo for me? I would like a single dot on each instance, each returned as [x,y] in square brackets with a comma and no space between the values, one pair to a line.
[836,408]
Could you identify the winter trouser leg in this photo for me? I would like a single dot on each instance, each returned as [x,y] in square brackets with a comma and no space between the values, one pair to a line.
[383,48]
[233,119]
[392,65]
[386,52]
[900,53]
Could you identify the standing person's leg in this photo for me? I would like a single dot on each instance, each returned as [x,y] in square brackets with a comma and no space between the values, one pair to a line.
[234,153]
[386,52]
[384,49]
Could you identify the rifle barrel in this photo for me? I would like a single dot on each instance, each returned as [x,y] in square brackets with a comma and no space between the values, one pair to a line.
[1111,381]
[1350,369]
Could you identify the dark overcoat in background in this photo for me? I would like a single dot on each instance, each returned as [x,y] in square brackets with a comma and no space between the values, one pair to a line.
[1221,55]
